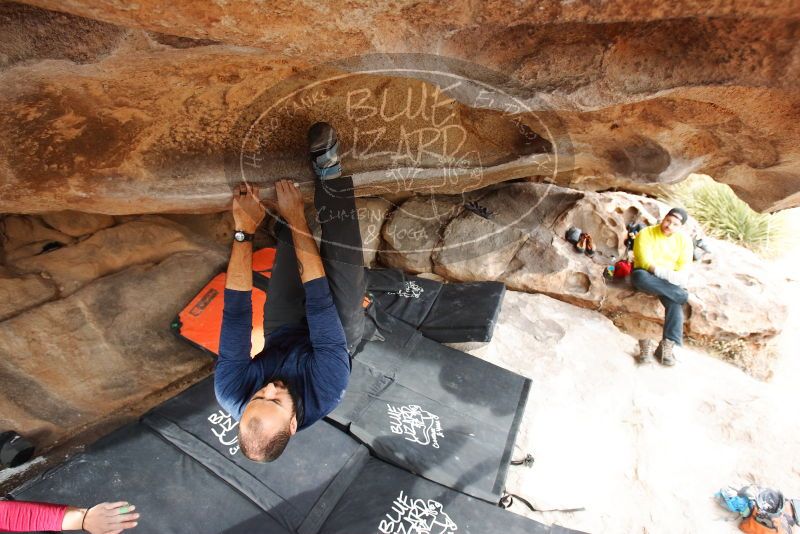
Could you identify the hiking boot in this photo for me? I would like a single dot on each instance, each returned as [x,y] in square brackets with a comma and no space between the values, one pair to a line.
[589,245]
[323,145]
[580,246]
[647,348]
[666,352]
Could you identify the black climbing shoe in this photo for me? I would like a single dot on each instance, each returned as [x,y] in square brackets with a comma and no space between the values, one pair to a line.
[323,145]
[573,235]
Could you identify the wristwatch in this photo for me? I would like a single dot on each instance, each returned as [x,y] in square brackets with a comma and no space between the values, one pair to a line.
[242,236]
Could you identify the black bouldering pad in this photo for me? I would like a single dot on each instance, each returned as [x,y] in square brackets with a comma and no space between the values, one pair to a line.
[405,297]
[464,312]
[296,489]
[182,469]
[173,493]
[434,410]
[447,313]
[387,500]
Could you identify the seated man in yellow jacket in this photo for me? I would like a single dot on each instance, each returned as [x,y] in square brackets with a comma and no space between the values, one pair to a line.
[661,254]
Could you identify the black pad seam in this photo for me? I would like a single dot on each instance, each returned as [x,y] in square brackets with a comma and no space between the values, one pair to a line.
[334,492]
[512,435]
[239,479]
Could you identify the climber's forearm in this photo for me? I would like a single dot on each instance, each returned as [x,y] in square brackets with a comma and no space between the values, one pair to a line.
[240,267]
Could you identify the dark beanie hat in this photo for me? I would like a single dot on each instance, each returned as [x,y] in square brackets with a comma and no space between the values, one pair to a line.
[679,213]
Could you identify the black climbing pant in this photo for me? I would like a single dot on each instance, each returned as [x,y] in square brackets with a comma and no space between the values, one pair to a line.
[342,259]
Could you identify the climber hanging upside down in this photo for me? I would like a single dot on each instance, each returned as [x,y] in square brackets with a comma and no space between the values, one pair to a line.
[313,320]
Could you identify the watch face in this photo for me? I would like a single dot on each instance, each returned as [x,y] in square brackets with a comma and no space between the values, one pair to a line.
[238,236]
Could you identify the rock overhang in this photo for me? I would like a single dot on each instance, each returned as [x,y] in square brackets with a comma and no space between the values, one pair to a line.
[118,117]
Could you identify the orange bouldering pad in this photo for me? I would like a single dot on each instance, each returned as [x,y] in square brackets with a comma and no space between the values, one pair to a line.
[200,322]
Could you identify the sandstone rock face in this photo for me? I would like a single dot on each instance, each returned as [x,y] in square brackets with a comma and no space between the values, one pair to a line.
[727,291]
[144,109]
[108,251]
[365,24]
[25,236]
[458,254]
[70,363]
[522,244]
[84,316]
[18,293]
[216,227]
[413,229]
[76,223]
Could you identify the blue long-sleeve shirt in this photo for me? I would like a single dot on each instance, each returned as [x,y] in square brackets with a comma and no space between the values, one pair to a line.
[313,360]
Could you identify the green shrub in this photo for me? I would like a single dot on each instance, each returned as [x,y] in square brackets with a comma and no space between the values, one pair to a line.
[723,215]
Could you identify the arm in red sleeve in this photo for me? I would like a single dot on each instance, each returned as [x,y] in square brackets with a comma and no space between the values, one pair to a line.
[22,516]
